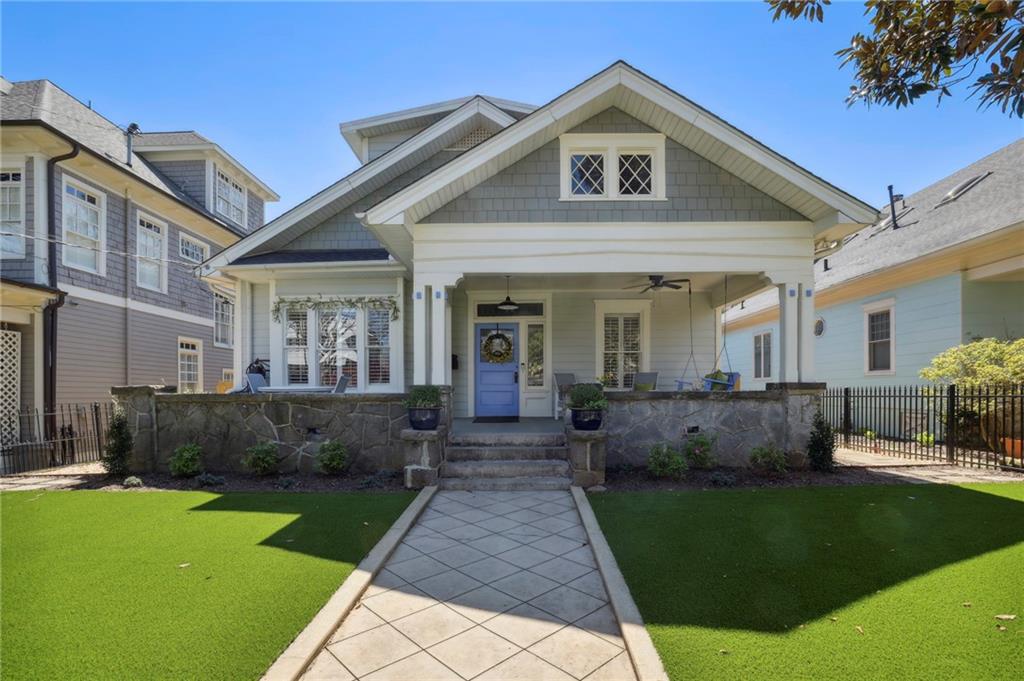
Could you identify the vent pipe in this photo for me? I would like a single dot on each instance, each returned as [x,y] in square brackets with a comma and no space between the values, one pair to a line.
[893,198]
[132,131]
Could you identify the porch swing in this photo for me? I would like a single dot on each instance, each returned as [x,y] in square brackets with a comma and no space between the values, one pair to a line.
[717,380]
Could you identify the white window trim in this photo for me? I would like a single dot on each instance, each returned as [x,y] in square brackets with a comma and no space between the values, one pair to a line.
[177,359]
[765,376]
[165,233]
[603,307]
[183,237]
[219,170]
[362,356]
[20,252]
[611,145]
[869,309]
[101,256]
[234,320]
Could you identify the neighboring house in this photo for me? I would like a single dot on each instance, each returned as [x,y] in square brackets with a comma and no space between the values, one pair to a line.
[950,270]
[102,233]
[397,273]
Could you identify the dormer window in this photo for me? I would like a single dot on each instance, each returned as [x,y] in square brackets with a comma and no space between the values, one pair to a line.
[625,167]
[230,198]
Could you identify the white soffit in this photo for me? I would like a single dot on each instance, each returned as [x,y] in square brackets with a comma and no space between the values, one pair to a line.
[652,103]
[471,116]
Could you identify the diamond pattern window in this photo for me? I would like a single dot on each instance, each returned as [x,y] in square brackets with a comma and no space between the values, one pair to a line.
[636,177]
[587,173]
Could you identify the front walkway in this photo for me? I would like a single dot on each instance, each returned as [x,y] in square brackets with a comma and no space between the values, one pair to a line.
[922,470]
[486,585]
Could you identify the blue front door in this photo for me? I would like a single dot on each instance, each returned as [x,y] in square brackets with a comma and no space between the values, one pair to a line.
[497,370]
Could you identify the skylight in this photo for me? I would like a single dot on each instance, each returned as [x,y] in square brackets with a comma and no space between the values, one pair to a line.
[961,189]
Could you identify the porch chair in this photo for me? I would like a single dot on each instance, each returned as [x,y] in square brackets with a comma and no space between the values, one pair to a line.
[563,381]
[255,382]
[645,378]
[341,385]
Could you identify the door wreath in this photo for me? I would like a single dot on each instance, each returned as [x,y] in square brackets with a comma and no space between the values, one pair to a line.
[496,348]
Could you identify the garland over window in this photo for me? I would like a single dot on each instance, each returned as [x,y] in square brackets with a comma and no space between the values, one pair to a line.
[319,303]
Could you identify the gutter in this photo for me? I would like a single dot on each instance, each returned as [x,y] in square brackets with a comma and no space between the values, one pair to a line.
[50,311]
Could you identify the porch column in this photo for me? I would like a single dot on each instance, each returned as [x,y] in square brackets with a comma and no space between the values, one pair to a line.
[419,331]
[806,350]
[789,344]
[439,313]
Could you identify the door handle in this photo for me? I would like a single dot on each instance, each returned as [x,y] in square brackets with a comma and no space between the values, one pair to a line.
[517,376]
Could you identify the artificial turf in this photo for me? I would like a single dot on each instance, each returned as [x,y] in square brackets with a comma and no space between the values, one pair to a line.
[171,585]
[870,582]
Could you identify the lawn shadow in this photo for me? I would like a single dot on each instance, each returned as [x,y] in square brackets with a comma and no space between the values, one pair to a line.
[767,560]
[333,526]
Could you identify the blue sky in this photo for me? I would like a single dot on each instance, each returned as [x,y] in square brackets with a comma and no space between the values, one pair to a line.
[271,82]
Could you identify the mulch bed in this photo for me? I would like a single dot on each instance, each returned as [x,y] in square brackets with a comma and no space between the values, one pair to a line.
[239,482]
[638,480]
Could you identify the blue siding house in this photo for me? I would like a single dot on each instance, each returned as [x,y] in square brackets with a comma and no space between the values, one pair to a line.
[945,269]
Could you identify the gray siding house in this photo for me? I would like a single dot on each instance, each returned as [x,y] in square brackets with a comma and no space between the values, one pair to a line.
[102,231]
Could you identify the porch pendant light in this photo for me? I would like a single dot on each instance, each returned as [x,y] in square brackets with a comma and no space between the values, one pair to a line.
[508,305]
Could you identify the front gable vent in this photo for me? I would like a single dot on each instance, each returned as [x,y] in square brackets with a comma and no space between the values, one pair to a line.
[471,140]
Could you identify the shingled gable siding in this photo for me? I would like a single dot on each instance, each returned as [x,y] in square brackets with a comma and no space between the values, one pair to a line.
[255,211]
[381,144]
[697,190]
[190,176]
[22,268]
[343,230]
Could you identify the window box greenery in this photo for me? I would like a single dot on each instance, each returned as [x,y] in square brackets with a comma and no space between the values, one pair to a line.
[424,405]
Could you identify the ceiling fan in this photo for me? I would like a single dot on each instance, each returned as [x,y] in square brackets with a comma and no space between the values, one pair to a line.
[657,282]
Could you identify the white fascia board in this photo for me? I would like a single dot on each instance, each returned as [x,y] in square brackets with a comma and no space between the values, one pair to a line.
[316,202]
[620,74]
[261,187]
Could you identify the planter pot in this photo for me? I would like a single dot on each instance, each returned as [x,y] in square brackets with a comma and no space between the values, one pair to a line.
[587,419]
[424,418]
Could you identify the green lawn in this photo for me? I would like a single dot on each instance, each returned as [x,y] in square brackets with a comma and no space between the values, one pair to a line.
[95,585]
[773,584]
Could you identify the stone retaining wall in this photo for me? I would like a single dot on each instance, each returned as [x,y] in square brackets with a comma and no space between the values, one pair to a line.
[370,425]
[781,416]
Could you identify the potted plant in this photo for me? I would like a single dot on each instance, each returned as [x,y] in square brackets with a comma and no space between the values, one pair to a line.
[424,405]
[587,403]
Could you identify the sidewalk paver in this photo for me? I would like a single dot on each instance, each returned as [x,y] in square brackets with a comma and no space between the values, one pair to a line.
[486,585]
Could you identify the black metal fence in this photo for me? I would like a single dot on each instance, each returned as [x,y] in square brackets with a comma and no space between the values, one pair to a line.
[978,426]
[31,440]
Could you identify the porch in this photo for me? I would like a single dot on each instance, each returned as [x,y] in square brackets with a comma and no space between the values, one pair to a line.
[502,363]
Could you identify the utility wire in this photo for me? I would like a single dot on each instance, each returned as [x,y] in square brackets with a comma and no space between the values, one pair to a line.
[184,263]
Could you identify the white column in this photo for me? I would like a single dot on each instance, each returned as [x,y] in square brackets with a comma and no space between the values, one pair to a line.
[278,361]
[438,333]
[243,330]
[806,334]
[398,340]
[419,331]
[789,349]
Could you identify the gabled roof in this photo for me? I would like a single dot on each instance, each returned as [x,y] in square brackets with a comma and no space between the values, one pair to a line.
[647,100]
[473,114]
[927,223]
[356,131]
[154,143]
[319,256]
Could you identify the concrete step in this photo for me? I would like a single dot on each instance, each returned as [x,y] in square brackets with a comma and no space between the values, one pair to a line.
[478,453]
[505,484]
[505,468]
[507,440]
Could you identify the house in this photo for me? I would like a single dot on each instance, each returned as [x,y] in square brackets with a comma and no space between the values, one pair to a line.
[102,230]
[487,245]
[945,269]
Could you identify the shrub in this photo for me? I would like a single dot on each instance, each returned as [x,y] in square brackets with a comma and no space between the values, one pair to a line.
[870,434]
[423,397]
[332,458]
[186,462]
[119,445]
[587,396]
[663,461]
[821,447]
[925,439]
[768,459]
[987,361]
[132,481]
[210,480]
[721,479]
[698,452]
[261,459]
[285,483]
